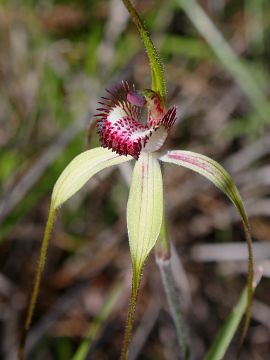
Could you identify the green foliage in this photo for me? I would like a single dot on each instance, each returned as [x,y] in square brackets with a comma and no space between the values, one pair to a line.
[228,57]
[92,42]
[228,330]
[188,47]
[94,328]
[9,160]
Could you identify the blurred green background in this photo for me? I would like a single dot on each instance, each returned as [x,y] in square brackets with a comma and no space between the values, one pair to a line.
[56,59]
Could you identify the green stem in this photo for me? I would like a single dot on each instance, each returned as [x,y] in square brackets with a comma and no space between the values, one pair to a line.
[158,82]
[163,260]
[132,306]
[249,283]
[163,245]
[35,291]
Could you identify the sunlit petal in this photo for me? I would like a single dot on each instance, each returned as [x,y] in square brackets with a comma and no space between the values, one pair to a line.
[214,172]
[144,209]
[80,170]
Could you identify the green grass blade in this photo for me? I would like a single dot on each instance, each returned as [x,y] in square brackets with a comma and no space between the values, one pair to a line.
[95,327]
[225,335]
[226,55]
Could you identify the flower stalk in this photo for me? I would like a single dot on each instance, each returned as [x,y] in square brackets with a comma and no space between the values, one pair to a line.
[130,317]
[158,81]
[35,291]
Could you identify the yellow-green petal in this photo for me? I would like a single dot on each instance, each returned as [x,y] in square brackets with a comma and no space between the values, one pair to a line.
[145,207]
[81,169]
[214,172]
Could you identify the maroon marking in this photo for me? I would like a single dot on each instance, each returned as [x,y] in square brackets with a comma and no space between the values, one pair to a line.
[191,160]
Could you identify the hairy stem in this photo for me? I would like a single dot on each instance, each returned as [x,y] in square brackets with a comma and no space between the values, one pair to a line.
[131,311]
[158,82]
[35,291]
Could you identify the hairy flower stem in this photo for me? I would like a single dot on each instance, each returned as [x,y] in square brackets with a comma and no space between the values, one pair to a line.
[132,306]
[158,82]
[163,260]
[35,291]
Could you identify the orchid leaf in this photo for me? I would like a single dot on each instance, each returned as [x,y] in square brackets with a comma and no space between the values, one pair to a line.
[75,175]
[144,218]
[99,322]
[214,172]
[226,333]
[158,81]
[227,56]
[81,169]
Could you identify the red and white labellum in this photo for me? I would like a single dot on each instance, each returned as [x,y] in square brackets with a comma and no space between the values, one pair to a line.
[119,127]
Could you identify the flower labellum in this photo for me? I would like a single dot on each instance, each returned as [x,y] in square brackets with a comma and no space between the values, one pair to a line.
[119,125]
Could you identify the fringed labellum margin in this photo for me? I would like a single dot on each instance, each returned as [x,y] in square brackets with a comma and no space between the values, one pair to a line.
[119,125]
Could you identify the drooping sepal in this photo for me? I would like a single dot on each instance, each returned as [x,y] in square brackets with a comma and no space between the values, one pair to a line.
[214,172]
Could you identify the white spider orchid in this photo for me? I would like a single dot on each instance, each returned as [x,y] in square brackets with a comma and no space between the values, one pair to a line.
[124,138]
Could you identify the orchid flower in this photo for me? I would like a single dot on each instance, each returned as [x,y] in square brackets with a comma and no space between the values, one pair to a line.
[126,136]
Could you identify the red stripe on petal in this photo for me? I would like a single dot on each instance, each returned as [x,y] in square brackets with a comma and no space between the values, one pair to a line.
[191,160]
[169,118]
